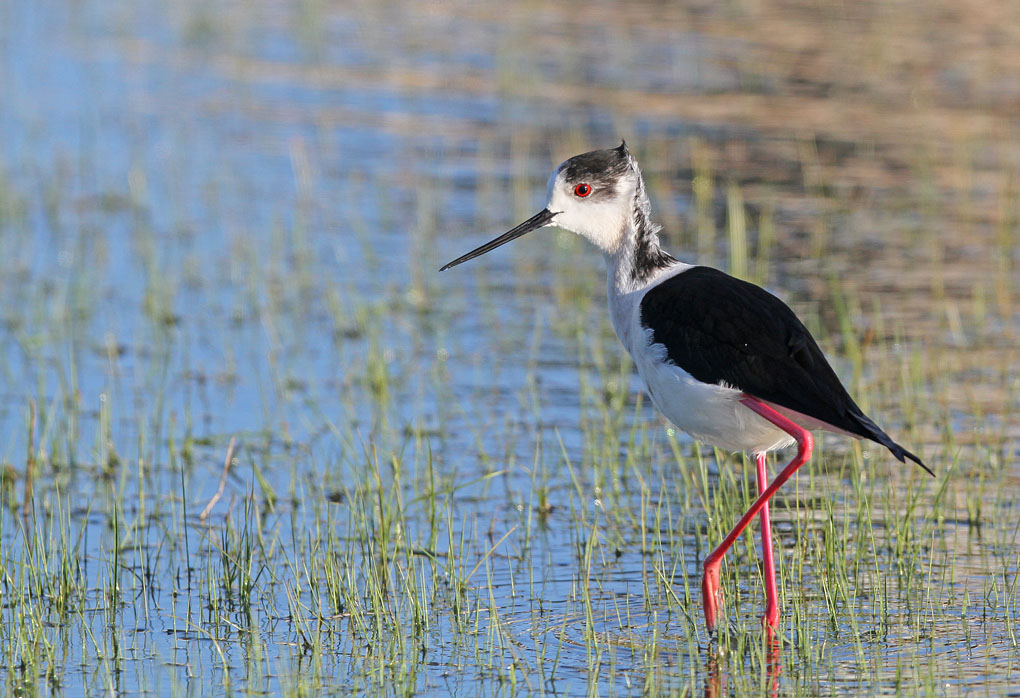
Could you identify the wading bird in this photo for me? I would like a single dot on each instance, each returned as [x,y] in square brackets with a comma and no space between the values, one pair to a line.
[724,360]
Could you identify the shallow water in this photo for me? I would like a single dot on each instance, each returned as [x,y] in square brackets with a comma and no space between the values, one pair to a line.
[224,221]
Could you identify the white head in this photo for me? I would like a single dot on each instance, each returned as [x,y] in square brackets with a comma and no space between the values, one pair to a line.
[600,196]
[593,195]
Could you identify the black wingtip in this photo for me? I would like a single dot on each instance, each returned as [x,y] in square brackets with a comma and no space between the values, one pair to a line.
[903,453]
[875,433]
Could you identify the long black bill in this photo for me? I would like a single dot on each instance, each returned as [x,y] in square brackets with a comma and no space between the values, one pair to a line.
[540,219]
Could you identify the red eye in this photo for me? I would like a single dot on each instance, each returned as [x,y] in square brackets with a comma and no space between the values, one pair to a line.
[582,190]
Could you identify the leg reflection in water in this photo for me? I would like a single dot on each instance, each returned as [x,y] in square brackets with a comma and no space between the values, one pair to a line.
[715,678]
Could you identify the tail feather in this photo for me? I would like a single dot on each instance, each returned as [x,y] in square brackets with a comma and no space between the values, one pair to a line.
[872,431]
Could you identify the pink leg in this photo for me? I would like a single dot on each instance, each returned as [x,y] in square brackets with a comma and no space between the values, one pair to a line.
[805,443]
[771,617]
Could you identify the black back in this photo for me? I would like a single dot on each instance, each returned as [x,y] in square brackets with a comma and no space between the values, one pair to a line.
[724,330]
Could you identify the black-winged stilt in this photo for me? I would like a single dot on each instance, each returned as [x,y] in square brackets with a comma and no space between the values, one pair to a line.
[724,360]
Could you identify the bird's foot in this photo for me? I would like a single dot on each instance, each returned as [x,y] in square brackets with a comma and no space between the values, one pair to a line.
[771,618]
[709,594]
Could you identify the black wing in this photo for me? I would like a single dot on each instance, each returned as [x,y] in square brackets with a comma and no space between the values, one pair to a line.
[724,330]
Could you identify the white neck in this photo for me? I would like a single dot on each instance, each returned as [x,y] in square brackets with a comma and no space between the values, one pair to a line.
[638,260]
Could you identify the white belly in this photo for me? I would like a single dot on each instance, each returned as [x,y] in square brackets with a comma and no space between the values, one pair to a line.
[712,414]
